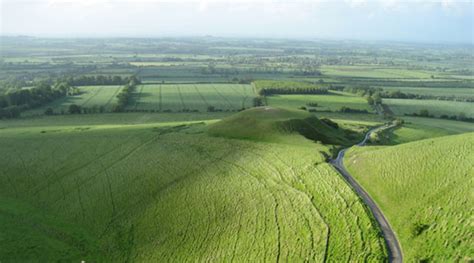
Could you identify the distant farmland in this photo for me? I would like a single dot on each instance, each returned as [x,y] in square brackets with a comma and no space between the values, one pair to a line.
[89,97]
[155,98]
[434,107]
[192,97]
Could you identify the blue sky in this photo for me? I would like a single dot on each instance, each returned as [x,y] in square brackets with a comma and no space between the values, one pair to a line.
[415,20]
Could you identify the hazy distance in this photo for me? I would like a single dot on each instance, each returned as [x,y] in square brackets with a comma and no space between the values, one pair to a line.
[416,20]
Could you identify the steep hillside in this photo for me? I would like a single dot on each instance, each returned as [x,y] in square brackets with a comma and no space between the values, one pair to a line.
[425,190]
[173,193]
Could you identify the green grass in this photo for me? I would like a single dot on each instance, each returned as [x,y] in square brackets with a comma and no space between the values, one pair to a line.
[416,128]
[91,96]
[325,102]
[171,192]
[425,190]
[435,107]
[130,118]
[194,97]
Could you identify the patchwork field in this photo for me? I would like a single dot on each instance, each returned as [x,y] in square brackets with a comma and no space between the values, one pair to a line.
[324,102]
[172,192]
[435,107]
[90,96]
[425,190]
[192,97]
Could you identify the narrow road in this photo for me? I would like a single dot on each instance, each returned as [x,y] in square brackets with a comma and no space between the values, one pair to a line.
[394,250]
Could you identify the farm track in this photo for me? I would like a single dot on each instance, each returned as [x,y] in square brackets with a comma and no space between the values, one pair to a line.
[91,97]
[241,94]
[137,99]
[160,98]
[201,96]
[223,97]
[394,250]
[113,96]
[181,98]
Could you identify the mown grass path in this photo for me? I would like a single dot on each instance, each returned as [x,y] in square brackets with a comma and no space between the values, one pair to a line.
[393,246]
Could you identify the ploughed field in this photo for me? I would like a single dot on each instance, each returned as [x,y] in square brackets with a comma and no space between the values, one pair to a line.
[425,190]
[182,192]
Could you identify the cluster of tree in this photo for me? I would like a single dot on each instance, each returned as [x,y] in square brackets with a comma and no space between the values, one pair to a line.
[271,87]
[345,109]
[258,101]
[14,102]
[214,109]
[272,91]
[374,99]
[77,109]
[242,80]
[98,80]
[358,90]
[425,113]
[396,94]
[126,94]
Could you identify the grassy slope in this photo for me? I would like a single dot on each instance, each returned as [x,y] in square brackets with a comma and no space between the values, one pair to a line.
[158,192]
[426,183]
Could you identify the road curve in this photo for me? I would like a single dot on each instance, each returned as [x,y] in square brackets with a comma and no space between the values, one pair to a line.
[394,250]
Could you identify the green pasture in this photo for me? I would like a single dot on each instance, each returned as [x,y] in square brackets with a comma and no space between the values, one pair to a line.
[174,192]
[325,102]
[425,190]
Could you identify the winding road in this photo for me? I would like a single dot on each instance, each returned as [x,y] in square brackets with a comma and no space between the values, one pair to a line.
[394,250]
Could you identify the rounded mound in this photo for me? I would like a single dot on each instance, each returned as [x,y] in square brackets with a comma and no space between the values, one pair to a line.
[269,124]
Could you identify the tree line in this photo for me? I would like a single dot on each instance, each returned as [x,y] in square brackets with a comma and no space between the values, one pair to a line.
[394,94]
[99,80]
[14,102]
[271,87]
[39,93]
[425,113]
[125,94]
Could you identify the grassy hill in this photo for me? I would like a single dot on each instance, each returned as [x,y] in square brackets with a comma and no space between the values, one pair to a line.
[174,192]
[425,190]
[280,125]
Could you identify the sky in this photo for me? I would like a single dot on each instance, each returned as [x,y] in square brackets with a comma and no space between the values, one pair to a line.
[430,21]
